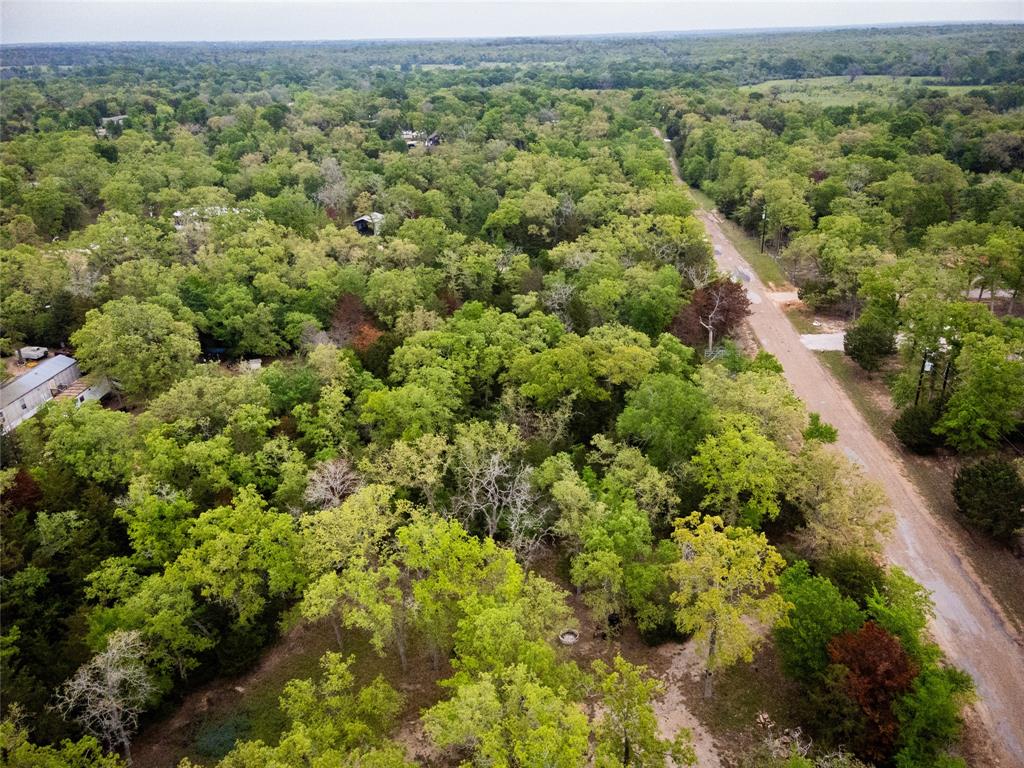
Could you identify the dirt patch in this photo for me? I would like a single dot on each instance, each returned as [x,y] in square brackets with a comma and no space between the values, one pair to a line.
[672,662]
[681,674]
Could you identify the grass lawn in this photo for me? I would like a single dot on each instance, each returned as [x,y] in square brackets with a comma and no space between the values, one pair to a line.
[802,320]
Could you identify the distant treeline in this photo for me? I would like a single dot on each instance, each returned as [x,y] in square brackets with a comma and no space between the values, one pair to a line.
[961,54]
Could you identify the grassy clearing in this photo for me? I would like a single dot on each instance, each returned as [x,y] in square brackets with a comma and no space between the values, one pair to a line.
[211,720]
[253,713]
[802,320]
[839,91]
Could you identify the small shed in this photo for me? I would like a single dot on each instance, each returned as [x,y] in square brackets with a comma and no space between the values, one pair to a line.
[23,396]
[32,353]
[369,224]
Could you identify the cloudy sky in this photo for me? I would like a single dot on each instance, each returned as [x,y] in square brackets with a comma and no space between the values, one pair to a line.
[26,21]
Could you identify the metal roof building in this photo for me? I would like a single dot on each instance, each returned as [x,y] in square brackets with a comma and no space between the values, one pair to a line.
[369,224]
[22,397]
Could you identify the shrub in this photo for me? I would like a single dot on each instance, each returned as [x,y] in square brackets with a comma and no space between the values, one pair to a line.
[820,430]
[868,342]
[819,613]
[215,740]
[914,428]
[929,717]
[856,575]
[878,672]
[990,496]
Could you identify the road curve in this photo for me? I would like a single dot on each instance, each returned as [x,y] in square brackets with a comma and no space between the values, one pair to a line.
[969,624]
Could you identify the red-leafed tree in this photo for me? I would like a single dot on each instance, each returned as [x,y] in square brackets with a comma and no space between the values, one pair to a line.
[714,311]
[879,671]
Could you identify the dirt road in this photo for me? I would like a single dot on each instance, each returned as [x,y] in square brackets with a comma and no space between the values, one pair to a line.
[968,624]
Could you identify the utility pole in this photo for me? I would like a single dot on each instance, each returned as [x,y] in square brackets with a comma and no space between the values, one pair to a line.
[764,225]
[926,365]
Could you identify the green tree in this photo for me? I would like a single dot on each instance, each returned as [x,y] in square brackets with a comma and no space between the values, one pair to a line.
[393,292]
[868,342]
[843,511]
[330,722]
[627,734]
[243,555]
[450,566]
[20,752]
[742,473]
[668,416]
[930,719]
[724,577]
[990,495]
[988,402]
[53,208]
[138,345]
[511,719]
[818,613]
[410,411]
[93,442]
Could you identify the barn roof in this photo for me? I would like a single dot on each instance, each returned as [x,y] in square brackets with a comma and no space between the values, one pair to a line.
[35,378]
[372,218]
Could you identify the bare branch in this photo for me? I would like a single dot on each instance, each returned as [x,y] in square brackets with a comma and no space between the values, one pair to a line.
[108,693]
[331,483]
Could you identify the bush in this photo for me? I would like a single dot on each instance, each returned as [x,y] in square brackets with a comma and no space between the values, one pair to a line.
[819,613]
[820,430]
[215,740]
[990,496]
[868,342]
[929,718]
[914,428]
[856,576]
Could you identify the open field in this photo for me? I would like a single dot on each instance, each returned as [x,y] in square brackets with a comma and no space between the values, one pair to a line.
[840,91]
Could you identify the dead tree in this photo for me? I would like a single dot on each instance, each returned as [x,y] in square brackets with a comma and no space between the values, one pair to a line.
[496,493]
[335,192]
[556,301]
[331,482]
[108,693]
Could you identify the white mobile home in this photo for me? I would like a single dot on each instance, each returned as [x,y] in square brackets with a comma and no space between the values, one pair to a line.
[23,396]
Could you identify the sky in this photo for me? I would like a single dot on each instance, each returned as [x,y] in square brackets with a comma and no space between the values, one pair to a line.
[35,21]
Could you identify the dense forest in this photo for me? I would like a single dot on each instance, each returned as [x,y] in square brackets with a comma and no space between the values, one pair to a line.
[516,407]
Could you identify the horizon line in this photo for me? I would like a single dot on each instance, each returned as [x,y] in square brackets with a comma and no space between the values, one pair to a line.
[524,38]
